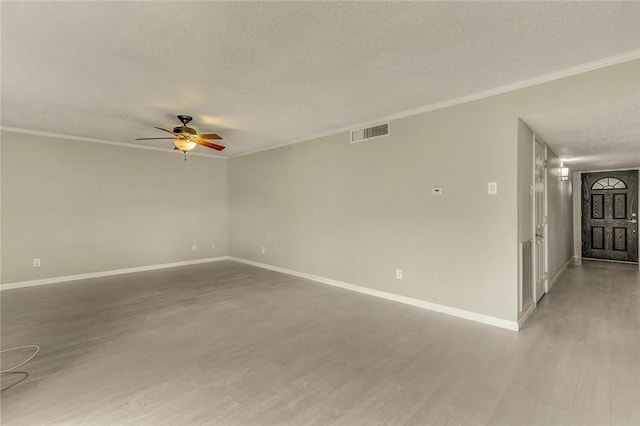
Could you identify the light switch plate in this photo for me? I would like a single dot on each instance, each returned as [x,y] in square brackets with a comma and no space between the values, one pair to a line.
[437,190]
[492,188]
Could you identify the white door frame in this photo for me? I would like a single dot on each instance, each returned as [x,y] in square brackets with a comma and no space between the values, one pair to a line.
[545,221]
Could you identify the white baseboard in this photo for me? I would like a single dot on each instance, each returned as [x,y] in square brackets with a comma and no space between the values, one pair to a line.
[460,313]
[526,315]
[456,312]
[564,268]
[76,277]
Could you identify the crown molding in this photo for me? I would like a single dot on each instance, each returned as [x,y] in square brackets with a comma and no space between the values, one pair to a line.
[83,139]
[522,84]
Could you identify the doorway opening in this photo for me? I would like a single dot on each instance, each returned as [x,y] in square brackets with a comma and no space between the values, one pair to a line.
[609,226]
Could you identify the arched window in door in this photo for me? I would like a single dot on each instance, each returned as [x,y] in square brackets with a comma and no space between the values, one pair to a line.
[609,183]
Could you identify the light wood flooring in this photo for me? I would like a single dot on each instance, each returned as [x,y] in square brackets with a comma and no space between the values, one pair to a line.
[229,344]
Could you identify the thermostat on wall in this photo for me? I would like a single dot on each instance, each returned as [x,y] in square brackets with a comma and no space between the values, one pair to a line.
[437,190]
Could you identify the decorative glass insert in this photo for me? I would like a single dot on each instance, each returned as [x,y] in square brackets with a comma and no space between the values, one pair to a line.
[609,183]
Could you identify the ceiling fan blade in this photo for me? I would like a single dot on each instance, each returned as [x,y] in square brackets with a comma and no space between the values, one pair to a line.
[165,130]
[209,144]
[151,139]
[210,136]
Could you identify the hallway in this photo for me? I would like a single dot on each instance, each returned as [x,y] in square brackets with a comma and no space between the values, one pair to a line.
[583,364]
[228,344]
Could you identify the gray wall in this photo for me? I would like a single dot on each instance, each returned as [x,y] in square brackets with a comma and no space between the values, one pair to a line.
[86,207]
[355,213]
[560,219]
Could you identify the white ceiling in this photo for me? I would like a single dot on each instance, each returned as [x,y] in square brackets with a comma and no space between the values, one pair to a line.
[594,137]
[264,74]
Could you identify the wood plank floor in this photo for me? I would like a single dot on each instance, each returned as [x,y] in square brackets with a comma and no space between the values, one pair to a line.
[229,344]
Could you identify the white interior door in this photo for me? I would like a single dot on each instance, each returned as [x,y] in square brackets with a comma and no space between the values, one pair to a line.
[540,220]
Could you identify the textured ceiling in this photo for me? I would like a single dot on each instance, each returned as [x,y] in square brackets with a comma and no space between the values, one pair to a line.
[594,137]
[264,74]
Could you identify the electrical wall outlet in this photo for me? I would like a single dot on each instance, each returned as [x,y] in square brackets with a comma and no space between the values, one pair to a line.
[194,247]
[398,274]
[213,246]
[263,250]
[36,262]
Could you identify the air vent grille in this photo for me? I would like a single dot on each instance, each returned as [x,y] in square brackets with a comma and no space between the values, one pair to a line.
[369,133]
[526,280]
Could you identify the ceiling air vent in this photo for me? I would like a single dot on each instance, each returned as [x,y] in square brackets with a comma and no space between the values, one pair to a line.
[369,133]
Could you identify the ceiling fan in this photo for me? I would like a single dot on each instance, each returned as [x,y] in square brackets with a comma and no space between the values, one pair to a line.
[186,138]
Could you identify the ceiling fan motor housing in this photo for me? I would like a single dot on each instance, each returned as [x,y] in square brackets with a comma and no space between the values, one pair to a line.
[184,129]
[185,119]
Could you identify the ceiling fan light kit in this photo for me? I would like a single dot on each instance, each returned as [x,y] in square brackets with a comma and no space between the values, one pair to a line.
[186,138]
[184,145]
